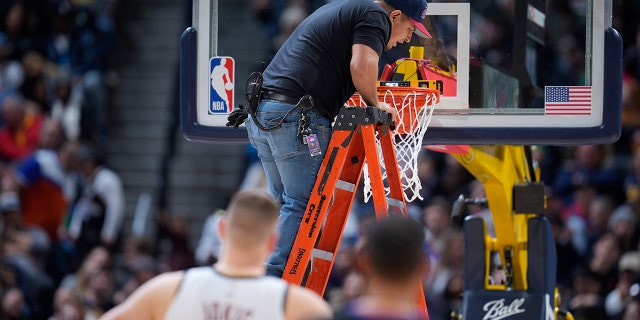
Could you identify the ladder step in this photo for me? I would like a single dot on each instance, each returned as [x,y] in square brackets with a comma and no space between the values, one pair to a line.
[321,254]
[395,203]
[346,186]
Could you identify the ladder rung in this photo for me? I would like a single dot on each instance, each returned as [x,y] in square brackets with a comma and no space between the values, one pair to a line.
[346,186]
[395,203]
[321,254]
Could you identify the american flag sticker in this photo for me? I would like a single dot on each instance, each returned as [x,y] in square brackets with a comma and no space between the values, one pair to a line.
[567,100]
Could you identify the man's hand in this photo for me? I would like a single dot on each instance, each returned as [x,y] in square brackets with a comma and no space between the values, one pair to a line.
[389,109]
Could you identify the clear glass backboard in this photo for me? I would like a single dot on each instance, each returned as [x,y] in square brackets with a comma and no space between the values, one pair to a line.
[515,72]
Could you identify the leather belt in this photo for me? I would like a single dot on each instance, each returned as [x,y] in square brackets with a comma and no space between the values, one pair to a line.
[270,95]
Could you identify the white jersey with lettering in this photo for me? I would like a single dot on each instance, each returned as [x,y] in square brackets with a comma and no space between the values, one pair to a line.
[208,295]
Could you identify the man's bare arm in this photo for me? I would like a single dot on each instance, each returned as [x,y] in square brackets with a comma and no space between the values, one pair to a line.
[150,301]
[364,73]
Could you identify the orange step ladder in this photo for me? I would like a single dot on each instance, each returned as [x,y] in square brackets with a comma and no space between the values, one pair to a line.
[352,143]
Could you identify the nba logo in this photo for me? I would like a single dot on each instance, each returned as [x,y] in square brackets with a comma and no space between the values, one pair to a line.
[221,71]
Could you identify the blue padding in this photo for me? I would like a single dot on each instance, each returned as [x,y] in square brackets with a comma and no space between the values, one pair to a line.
[475,264]
[508,305]
[541,255]
[191,129]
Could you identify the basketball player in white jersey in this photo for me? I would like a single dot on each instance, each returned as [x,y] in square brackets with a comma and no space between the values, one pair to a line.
[236,286]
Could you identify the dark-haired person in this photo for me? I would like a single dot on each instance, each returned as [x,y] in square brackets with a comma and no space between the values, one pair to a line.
[393,262]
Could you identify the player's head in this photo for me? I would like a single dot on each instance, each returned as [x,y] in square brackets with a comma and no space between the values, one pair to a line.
[250,219]
[393,249]
[407,17]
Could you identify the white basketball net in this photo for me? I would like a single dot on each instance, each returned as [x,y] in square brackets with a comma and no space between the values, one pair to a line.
[411,126]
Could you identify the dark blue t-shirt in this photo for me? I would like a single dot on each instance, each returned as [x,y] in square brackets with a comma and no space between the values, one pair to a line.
[315,58]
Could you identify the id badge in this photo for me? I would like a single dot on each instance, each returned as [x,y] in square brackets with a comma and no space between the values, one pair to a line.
[313,144]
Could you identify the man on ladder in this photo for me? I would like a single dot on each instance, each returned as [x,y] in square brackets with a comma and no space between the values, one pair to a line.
[333,53]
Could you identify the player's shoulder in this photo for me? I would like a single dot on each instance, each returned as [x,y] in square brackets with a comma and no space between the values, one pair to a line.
[303,303]
[150,300]
[165,283]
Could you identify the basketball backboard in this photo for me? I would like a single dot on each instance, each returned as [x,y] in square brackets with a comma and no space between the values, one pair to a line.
[515,72]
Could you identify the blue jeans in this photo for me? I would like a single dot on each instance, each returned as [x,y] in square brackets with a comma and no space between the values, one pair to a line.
[290,169]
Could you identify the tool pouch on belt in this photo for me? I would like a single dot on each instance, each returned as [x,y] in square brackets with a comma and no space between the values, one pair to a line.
[252,96]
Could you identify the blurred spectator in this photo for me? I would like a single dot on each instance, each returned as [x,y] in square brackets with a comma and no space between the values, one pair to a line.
[599,214]
[141,269]
[52,135]
[175,230]
[93,283]
[343,267]
[79,45]
[630,101]
[437,220]
[631,57]
[41,187]
[35,90]
[21,131]
[279,18]
[136,264]
[632,182]
[585,175]
[628,271]
[72,40]
[623,224]
[67,108]
[345,280]
[67,305]
[15,28]
[11,73]
[575,213]
[13,304]
[97,259]
[428,171]
[455,179]
[254,177]
[90,49]
[59,47]
[495,37]
[289,20]
[352,287]
[590,167]
[603,263]
[97,216]
[443,288]
[97,291]
[586,302]
[567,255]
[208,249]
[476,191]
[136,247]
[549,159]
[632,311]
[24,251]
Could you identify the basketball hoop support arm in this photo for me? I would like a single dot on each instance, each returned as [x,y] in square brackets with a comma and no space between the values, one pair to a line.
[522,235]
[500,168]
